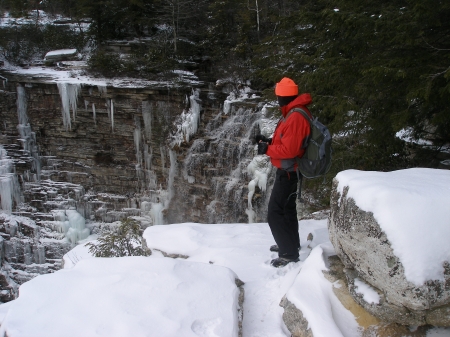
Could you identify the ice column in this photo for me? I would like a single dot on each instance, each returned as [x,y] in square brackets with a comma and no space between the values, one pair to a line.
[69,95]
[27,137]
[112,115]
[156,213]
[93,113]
[259,168]
[9,185]
[172,173]
[189,120]
[137,143]
[110,110]
[22,105]
[101,90]
[147,116]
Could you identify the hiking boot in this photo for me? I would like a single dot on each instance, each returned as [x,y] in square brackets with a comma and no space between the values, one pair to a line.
[275,248]
[282,261]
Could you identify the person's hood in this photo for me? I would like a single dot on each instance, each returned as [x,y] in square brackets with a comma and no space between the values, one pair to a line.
[301,100]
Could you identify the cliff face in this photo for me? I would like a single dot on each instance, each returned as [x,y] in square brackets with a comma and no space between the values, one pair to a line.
[74,157]
[166,153]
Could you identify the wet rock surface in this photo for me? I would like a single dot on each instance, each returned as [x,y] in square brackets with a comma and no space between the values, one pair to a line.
[369,325]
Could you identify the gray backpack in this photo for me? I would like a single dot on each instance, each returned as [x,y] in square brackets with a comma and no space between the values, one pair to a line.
[317,158]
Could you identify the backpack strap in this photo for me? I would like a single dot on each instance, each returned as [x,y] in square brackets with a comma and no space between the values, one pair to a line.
[302,112]
[299,175]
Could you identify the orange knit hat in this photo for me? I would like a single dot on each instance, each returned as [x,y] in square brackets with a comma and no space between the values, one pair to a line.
[286,87]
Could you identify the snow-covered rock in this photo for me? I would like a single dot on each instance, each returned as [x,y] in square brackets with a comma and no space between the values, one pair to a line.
[391,231]
[60,55]
[128,296]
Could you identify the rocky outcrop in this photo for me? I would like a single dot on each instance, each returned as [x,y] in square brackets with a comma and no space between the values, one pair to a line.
[293,317]
[369,325]
[367,255]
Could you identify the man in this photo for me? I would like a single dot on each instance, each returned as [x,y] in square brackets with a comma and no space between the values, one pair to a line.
[288,142]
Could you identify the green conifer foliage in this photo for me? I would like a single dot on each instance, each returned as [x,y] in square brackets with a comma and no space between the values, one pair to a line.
[124,240]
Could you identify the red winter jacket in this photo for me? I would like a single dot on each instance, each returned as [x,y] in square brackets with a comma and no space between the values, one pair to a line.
[290,135]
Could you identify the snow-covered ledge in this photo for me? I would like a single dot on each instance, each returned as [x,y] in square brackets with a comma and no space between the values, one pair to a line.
[127,296]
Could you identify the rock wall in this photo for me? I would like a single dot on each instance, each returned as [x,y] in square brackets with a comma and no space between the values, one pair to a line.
[159,153]
[116,152]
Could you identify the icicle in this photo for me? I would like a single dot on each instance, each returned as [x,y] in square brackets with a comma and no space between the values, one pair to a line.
[86,104]
[69,95]
[73,90]
[110,110]
[28,138]
[147,116]
[112,115]
[101,90]
[148,155]
[137,144]
[22,105]
[62,87]
[172,172]
[93,113]
[163,157]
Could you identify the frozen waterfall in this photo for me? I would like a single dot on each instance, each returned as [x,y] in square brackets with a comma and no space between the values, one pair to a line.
[27,137]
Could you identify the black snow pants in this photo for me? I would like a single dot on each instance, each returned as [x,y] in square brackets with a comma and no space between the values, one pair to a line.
[282,214]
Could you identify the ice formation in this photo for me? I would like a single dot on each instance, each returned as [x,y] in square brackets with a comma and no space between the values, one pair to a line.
[102,89]
[27,137]
[69,95]
[9,185]
[93,113]
[156,213]
[147,116]
[189,120]
[259,169]
[22,105]
[72,224]
[110,110]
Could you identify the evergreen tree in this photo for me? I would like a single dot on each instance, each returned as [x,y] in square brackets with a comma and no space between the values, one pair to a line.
[124,240]
[373,69]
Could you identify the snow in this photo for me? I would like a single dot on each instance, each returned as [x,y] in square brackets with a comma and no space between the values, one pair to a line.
[152,297]
[243,248]
[160,296]
[77,76]
[412,207]
[368,293]
[314,296]
[60,52]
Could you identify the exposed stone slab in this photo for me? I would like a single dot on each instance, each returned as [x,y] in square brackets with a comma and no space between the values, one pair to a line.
[366,253]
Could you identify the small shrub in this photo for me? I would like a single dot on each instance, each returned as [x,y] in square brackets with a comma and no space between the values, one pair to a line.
[105,63]
[124,240]
[26,43]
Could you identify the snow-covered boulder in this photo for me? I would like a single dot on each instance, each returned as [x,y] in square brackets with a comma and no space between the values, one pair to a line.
[127,296]
[392,230]
[60,55]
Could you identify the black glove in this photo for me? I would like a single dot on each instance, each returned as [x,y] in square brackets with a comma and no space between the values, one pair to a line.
[262,148]
[261,138]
